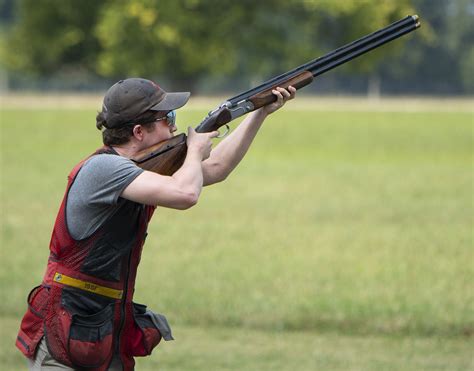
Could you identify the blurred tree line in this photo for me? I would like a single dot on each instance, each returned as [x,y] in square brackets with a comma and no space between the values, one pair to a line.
[222,45]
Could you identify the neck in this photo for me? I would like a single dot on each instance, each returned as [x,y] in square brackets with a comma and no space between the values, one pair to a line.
[127,150]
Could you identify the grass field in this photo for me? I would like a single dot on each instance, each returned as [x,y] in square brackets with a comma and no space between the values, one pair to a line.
[344,241]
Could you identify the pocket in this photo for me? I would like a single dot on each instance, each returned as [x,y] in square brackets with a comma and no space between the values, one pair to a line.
[90,341]
[31,329]
[150,328]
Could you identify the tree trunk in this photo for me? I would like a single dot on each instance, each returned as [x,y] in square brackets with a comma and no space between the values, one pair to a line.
[373,87]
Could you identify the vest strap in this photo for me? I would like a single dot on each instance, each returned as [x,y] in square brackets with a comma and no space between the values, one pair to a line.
[87,286]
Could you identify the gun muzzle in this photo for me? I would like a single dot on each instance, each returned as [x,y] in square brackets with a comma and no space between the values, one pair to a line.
[417,20]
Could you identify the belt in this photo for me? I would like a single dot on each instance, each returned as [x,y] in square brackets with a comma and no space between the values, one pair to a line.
[87,286]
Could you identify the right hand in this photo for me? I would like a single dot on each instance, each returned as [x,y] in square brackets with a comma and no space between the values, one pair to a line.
[200,142]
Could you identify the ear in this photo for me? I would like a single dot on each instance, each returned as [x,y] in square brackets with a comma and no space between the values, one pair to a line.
[138,132]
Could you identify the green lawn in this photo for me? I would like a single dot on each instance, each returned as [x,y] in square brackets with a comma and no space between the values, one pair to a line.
[342,242]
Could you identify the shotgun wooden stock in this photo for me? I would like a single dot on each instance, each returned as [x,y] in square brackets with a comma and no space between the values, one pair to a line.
[164,158]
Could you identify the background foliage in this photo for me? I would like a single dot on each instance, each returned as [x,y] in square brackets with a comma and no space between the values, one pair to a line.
[211,45]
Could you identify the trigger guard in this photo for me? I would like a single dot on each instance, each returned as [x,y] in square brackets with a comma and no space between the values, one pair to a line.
[225,133]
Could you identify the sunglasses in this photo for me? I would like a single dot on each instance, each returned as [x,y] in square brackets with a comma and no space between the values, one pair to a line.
[170,118]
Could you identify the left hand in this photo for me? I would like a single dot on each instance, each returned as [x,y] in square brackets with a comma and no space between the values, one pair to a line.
[283,95]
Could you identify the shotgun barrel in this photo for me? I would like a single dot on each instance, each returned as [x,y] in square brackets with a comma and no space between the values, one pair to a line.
[303,75]
[339,56]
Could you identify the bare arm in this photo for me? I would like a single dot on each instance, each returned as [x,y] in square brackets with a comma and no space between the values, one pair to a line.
[182,189]
[228,153]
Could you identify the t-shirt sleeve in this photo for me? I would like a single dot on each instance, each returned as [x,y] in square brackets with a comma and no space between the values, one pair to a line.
[103,178]
[95,194]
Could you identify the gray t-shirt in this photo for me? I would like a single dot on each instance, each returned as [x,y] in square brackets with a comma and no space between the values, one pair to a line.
[95,194]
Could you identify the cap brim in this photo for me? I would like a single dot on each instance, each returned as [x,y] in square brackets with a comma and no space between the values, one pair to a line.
[172,101]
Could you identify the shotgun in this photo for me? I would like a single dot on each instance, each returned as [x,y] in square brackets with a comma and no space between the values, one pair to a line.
[167,157]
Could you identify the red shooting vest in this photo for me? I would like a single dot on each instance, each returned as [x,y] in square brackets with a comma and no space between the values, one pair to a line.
[84,305]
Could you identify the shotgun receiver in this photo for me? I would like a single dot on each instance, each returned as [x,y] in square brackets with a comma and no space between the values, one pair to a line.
[166,157]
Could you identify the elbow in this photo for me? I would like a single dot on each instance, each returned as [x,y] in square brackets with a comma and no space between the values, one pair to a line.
[216,173]
[188,200]
[181,201]
[218,177]
[222,177]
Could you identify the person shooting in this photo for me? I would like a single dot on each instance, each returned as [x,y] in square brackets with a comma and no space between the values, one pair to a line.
[82,315]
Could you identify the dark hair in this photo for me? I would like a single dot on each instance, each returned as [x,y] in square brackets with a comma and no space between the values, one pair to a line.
[116,136]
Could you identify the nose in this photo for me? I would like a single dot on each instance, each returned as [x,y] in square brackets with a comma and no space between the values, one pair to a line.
[173,128]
